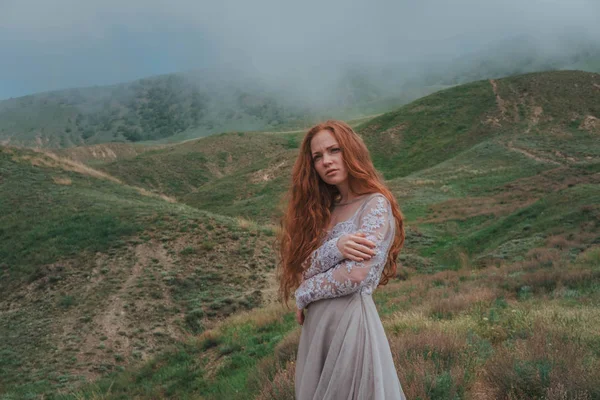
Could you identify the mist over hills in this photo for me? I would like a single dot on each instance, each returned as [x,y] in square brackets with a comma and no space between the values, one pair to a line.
[175,107]
[148,109]
[521,54]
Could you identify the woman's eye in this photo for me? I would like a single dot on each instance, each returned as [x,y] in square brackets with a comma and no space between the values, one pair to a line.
[315,158]
[335,150]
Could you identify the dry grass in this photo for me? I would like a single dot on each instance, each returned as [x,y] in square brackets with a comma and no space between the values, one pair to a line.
[590,257]
[582,324]
[287,349]
[456,303]
[49,159]
[260,318]
[469,207]
[245,223]
[145,192]
[465,335]
[433,363]
[275,374]
[62,181]
[547,363]
[281,387]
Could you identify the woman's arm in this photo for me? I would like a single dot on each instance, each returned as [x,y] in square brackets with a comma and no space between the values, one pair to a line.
[323,258]
[377,222]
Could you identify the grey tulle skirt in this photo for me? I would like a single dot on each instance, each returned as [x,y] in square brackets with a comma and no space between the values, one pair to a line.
[344,353]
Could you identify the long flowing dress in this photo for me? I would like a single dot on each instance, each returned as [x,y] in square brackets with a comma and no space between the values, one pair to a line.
[343,351]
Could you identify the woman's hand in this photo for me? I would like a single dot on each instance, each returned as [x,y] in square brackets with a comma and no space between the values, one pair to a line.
[300,316]
[356,247]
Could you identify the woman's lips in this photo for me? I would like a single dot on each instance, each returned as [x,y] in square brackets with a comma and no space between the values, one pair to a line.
[331,172]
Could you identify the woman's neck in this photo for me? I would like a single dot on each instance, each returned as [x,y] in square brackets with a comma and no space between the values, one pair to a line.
[346,194]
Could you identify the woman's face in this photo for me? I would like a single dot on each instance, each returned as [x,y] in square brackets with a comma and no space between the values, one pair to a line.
[327,158]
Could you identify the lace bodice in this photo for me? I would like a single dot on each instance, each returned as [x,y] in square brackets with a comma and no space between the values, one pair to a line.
[328,275]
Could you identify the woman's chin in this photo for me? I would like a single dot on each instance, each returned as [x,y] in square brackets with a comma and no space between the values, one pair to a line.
[333,180]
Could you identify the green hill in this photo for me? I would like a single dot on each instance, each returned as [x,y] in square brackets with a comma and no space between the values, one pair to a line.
[522,115]
[95,274]
[176,107]
[500,185]
[145,110]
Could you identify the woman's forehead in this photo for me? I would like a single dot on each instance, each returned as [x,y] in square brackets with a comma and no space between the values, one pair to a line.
[322,140]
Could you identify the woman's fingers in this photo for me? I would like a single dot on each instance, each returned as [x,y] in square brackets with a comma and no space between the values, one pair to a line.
[362,243]
[359,255]
[356,255]
[363,240]
[356,247]
[364,249]
[364,253]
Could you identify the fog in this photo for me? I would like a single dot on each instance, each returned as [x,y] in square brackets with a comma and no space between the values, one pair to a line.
[299,46]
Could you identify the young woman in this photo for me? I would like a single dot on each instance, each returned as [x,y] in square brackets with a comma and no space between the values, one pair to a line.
[340,238]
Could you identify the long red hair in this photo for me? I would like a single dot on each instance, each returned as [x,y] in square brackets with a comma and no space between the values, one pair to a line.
[310,200]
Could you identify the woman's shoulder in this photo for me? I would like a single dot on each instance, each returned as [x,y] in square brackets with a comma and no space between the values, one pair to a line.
[375,198]
[375,202]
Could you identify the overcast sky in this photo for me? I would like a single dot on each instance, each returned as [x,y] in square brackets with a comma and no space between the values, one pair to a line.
[54,44]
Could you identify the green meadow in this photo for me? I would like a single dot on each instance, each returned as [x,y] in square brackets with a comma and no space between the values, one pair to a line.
[151,274]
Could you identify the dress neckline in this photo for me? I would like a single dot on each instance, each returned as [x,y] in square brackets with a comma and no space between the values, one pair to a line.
[352,216]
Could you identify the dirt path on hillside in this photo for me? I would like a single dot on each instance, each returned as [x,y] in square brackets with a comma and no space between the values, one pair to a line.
[526,153]
[499,101]
[113,326]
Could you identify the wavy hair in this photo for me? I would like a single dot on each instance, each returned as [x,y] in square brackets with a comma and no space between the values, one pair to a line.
[310,200]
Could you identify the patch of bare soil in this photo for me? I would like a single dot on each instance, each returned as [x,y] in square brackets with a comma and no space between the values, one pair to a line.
[515,195]
[394,134]
[371,129]
[537,112]
[493,121]
[214,170]
[469,207]
[104,152]
[270,295]
[269,173]
[499,101]
[531,155]
[122,322]
[590,124]
[61,181]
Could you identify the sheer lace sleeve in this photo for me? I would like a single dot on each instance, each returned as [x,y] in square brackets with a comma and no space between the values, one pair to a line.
[323,258]
[377,222]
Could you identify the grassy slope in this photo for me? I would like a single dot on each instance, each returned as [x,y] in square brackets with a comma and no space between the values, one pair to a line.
[499,193]
[236,174]
[95,275]
[418,136]
[525,330]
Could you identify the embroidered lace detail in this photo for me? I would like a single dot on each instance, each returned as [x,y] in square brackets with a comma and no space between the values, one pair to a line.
[377,222]
[322,258]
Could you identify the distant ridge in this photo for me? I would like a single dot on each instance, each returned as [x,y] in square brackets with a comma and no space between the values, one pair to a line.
[176,107]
